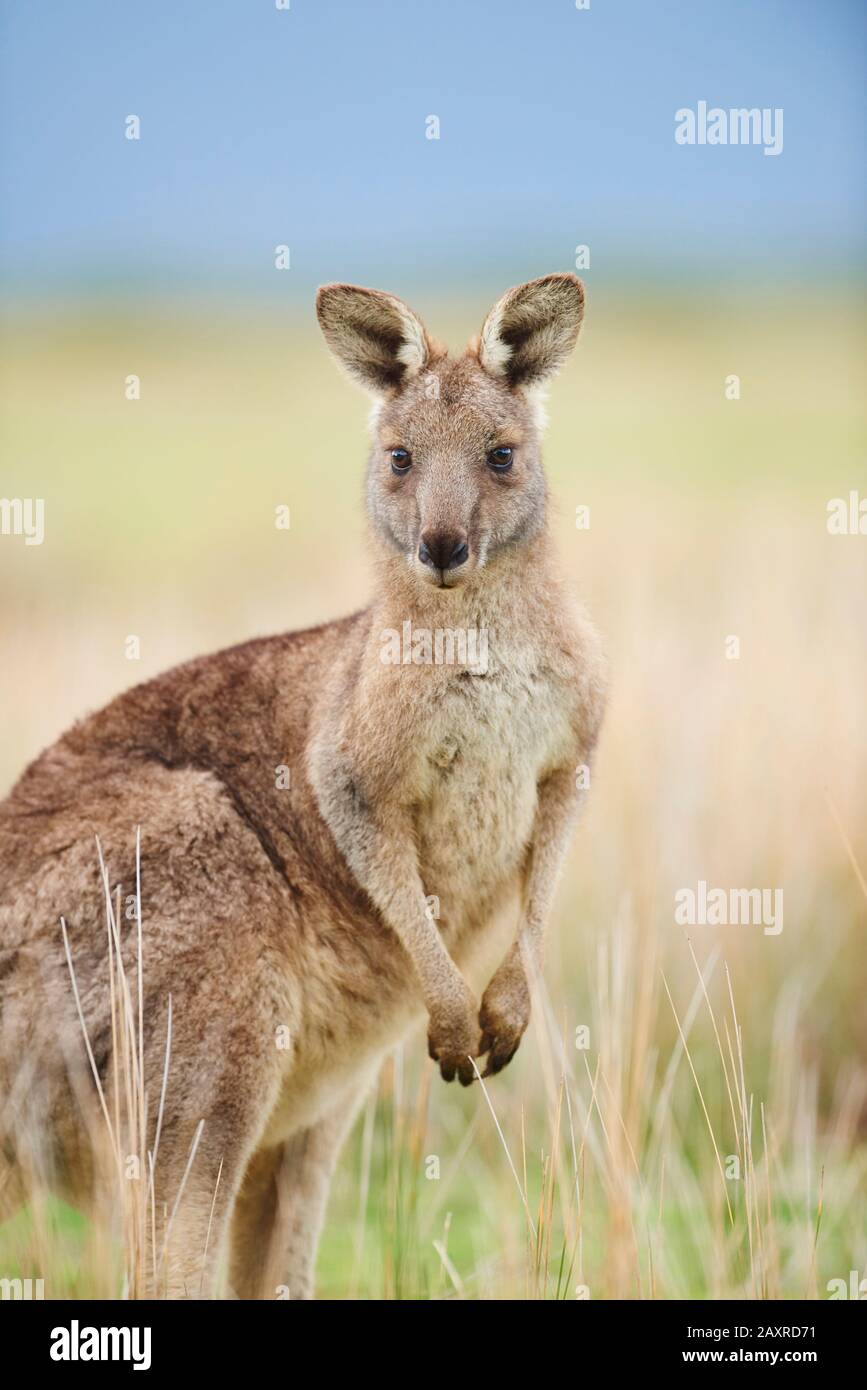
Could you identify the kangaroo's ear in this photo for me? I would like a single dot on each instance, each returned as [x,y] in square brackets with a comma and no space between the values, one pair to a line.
[530,332]
[376,337]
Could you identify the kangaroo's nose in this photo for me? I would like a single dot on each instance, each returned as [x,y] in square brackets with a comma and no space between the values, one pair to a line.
[443,550]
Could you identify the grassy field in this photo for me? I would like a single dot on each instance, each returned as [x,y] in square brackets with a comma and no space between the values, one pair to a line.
[707,1135]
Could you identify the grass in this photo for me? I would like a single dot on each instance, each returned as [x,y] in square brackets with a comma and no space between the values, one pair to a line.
[710,1140]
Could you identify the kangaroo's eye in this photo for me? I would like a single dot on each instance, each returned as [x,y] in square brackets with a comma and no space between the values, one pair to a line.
[500,460]
[401,460]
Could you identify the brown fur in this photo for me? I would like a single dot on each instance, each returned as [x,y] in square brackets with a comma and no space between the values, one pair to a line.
[306,908]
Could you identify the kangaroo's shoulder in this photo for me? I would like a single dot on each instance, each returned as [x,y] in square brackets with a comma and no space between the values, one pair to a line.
[201,704]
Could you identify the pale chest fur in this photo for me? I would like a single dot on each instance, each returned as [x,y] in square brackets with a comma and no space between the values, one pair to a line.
[488,741]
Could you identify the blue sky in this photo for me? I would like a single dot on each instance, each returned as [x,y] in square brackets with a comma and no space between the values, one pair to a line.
[307,127]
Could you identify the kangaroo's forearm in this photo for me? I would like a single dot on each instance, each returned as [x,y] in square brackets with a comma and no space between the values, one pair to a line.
[556,817]
[380,851]
[390,877]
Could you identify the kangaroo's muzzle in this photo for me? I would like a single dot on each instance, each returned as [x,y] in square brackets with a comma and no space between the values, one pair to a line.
[443,550]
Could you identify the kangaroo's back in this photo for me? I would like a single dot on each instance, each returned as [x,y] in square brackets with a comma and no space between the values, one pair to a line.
[237,715]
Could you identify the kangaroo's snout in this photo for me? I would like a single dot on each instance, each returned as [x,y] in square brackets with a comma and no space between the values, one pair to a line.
[443,550]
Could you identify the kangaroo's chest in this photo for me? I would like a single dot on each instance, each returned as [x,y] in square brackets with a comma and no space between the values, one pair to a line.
[489,741]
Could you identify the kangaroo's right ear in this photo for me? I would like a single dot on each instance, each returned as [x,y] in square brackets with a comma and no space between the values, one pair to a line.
[376,337]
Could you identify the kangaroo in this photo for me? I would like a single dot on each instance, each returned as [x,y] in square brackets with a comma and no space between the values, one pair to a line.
[432,793]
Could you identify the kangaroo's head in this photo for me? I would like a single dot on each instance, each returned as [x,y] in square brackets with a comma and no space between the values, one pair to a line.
[454,475]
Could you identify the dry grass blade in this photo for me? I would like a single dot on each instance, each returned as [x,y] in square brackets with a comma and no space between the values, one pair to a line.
[701,1099]
[512,1167]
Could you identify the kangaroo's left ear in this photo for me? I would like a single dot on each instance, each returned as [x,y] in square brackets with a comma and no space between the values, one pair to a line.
[374,336]
[530,332]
